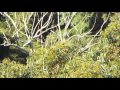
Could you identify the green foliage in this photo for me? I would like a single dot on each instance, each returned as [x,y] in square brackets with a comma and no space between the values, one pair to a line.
[83,68]
[81,23]
[10,69]
[57,58]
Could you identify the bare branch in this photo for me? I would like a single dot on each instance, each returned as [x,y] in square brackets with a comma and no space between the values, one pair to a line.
[12,21]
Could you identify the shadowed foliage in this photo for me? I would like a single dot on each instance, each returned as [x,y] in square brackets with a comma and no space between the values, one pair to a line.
[13,53]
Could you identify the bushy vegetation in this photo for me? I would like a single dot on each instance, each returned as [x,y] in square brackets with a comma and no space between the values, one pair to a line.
[69,52]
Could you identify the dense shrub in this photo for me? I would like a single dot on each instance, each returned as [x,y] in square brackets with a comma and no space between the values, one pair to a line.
[79,55]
